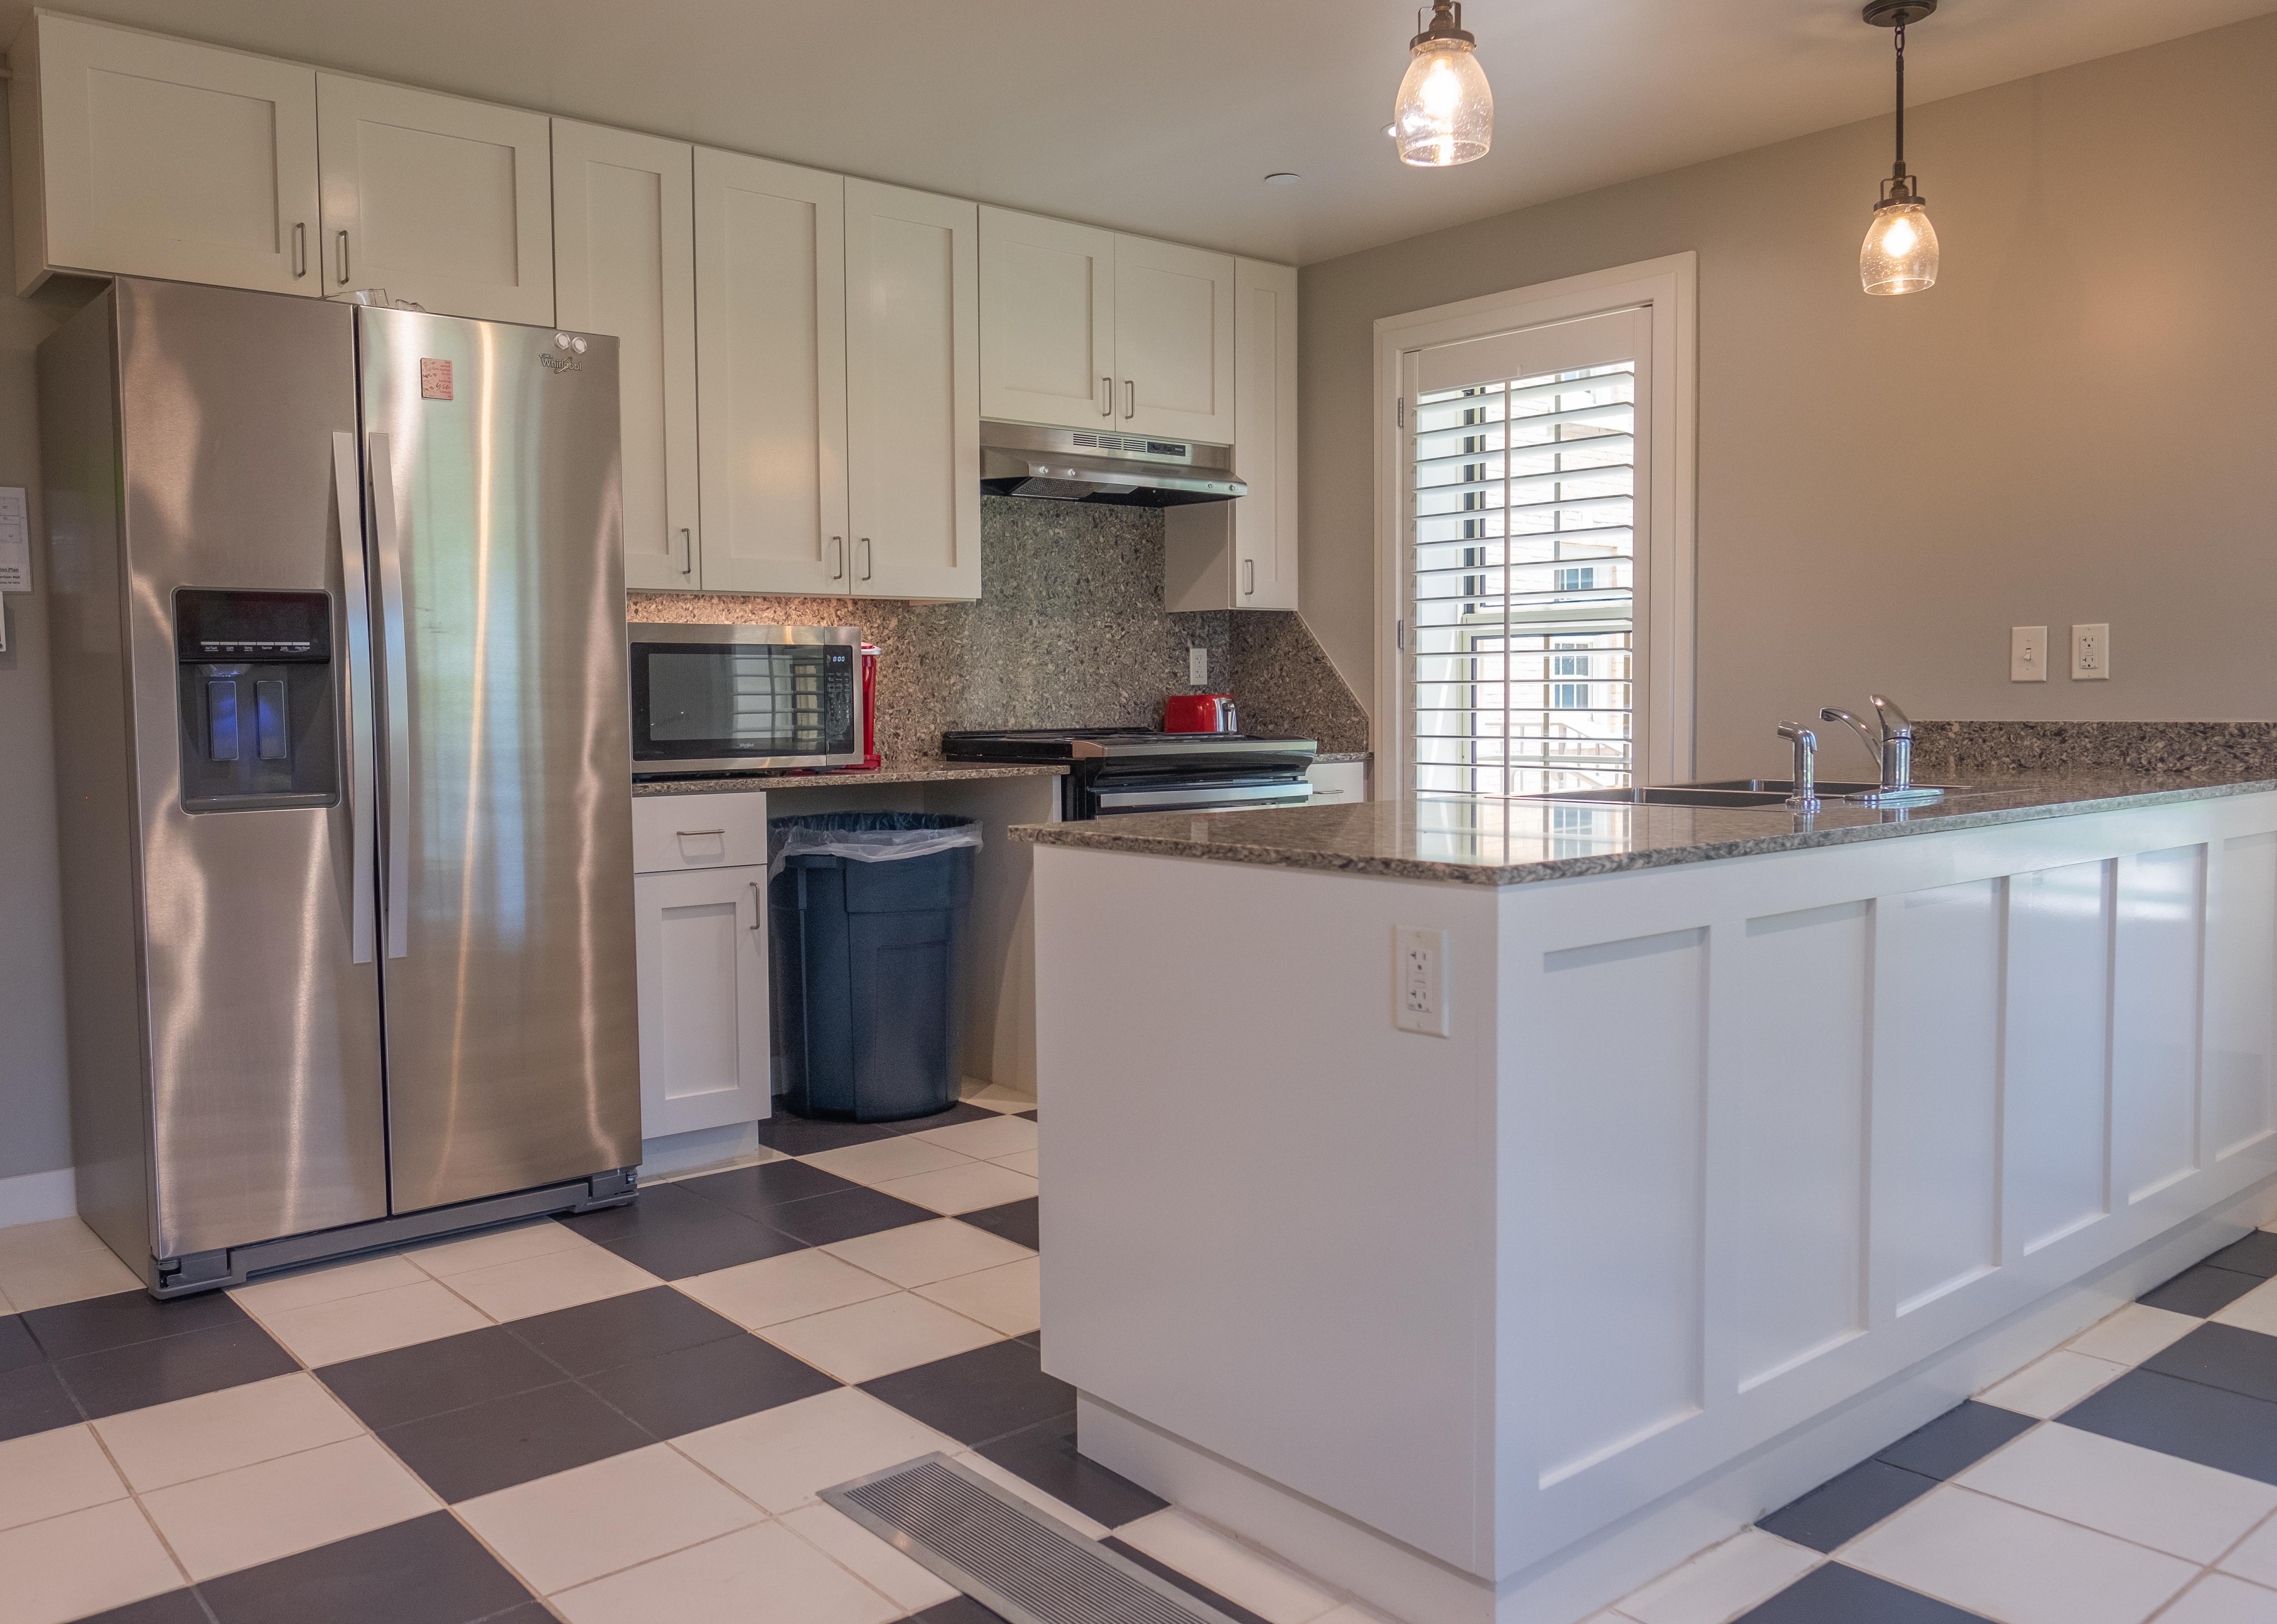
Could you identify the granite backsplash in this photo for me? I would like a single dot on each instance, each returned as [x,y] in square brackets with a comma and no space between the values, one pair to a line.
[2184,749]
[1070,632]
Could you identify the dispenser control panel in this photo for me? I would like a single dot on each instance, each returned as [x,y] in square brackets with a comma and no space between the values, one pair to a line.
[258,724]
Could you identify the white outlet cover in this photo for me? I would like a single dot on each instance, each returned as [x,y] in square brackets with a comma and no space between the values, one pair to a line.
[1419,981]
[1197,665]
[2090,653]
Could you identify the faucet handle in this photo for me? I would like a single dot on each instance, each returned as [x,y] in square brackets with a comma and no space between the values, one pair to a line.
[1895,724]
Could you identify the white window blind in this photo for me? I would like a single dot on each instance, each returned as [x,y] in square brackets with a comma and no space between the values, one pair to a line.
[1524,651]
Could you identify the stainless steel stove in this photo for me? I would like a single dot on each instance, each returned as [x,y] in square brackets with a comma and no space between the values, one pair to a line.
[1115,770]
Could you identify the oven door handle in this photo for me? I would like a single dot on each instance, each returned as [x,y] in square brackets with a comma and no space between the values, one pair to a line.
[1202,797]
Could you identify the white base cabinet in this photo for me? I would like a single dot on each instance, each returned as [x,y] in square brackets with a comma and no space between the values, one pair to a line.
[700,938]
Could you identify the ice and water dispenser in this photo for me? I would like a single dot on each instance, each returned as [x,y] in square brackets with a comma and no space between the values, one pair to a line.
[255,674]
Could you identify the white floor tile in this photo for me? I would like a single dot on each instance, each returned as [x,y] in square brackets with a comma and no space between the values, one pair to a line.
[2155,1500]
[2219,1599]
[1721,1582]
[509,1245]
[790,1287]
[2133,1334]
[1028,1162]
[964,1189]
[870,1559]
[89,1561]
[781,1457]
[919,1254]
[1004,1136]
[1020,1488]
[219,1431]
[326,1283]
[1277,1594]
[762,1575]
[593,1520]
[57,1260]
[47,1473]
[258,1514]
[351,1327]
[2017,1566]
[374,1322]
[996,1096]
[2256,1558]
[2051,1385]
[1352,1613]
[1006,1298]
[874,1338]
[552,1280]
[2257,1311]
[882,1159]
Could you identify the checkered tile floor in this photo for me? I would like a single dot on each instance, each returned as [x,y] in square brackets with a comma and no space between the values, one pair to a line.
[625,1417]
[2129,1475]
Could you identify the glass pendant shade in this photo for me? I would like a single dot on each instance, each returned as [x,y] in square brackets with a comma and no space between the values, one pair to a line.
[1899,253]
[1446,113]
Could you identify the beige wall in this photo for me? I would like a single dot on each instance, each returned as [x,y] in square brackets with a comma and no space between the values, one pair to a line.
[2077,424]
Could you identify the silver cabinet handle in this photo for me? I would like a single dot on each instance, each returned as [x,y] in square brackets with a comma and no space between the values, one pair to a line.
[342,241]
[387,542]
[687,553]
[759,906]
[357,604]
[837,557]
[691,834]
[866,558]
[1249,578]
[300,254]
[1106,396]
[1130,397]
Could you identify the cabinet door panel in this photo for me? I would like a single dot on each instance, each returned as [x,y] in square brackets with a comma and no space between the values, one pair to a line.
[771,374]
[624,244]
[701,940]
[912,392]
[1173,339]
[444,202]
[1265,435]
[1047,293]
[161,158]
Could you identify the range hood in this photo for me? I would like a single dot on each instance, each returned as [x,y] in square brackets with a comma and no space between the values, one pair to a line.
[1121,470]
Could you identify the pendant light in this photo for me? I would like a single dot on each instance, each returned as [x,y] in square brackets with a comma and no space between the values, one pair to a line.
[1899,253]
[1445,112]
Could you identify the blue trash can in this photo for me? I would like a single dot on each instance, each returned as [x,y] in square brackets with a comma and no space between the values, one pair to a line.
[868,914]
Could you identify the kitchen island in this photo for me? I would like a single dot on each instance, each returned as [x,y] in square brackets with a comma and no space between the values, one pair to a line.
[1751,1143]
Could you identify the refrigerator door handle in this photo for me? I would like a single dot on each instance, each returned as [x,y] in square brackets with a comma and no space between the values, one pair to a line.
[385,536]
[363,855]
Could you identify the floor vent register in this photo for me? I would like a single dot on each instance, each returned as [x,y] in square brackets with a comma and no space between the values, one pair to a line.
[1025,1566]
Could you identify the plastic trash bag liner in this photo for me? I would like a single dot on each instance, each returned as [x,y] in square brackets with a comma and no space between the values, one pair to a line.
[866,837]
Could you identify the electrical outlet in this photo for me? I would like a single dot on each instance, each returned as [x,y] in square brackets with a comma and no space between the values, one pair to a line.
[1198,666]
[2090,653]
[1419,980]
[2028,654]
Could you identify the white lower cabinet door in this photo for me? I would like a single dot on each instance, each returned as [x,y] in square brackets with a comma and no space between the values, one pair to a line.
[912,392]
[701,940]
[445,204]
[771,375]
[624,253]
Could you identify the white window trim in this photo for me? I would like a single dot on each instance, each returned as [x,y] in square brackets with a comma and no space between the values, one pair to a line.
[1665,611]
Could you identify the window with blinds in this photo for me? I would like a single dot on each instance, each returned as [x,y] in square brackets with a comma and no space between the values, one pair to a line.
[1525,575]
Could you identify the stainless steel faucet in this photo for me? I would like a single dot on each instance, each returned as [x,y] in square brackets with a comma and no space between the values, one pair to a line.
[1805,797]
[1892,751]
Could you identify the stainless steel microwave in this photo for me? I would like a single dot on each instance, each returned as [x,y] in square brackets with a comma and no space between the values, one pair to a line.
[745,698]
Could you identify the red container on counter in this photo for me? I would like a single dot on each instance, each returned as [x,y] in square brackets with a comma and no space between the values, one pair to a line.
[1200,713]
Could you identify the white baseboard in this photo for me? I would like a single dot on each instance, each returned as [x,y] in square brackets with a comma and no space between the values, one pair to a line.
[31,1197]
[1574,1583]
[674,1154]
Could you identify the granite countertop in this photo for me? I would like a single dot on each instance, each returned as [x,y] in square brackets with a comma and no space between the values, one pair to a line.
[1480,842]
[1345,755]
[917,772]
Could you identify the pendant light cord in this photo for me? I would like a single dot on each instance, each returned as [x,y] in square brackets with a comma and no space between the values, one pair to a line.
[1901,98]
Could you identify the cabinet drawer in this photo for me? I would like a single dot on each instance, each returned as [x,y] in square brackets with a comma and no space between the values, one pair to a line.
[672,833]
[1339,781]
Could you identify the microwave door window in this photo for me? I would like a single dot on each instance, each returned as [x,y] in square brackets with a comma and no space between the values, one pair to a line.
[738,700]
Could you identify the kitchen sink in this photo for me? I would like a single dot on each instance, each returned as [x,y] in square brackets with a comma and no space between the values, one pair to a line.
[1838,789]
[1672,795]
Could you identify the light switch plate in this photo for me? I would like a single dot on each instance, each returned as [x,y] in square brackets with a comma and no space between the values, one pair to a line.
[1419,975]
[2090,653]
[2028,654]
[1197,665]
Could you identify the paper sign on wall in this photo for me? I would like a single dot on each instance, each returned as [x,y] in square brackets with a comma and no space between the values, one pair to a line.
[15,541]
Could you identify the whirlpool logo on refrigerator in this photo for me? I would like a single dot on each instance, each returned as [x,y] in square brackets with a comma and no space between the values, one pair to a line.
[567,355]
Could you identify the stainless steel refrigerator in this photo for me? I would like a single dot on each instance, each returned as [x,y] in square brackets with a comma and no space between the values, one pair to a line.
[337,619]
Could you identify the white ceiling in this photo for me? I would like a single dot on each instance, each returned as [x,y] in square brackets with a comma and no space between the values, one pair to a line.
[1163,116]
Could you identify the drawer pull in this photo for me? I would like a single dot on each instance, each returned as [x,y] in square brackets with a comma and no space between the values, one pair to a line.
[691,834]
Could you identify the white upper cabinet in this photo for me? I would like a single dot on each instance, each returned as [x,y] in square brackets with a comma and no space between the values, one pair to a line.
[444,202]
[771,375]
[140,156]
[624,248]
[1174,340]
[1047,295]
[913,392]
[1265,435]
